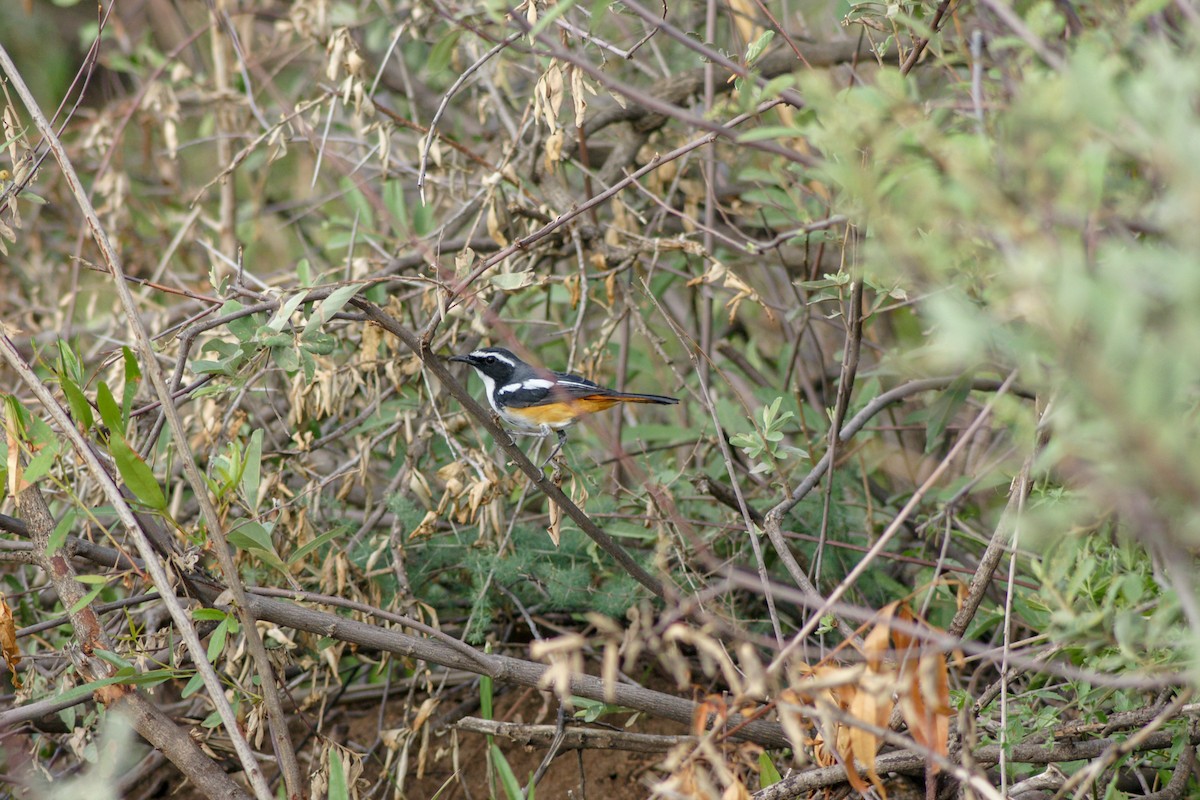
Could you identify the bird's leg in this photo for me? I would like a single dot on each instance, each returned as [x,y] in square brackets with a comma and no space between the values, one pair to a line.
[562,439]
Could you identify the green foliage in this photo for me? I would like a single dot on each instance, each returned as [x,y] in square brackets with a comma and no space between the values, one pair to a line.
[568,578]
[1103,601]
[765,441]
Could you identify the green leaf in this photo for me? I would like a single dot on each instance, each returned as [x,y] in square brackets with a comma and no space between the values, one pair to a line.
[284,313]
[320,541]
[393,200]
[252,470]
[767,774]
[512,281]
[133,376]
[507,779]
[252,537]
[439,56]
[245,328]
[194,685]
[41,462]
[757,47]
[82,602]
[70,374]
[208,615]
[1145,8]
[942,410]
[137,474]
[338,790]
[110,412]
[769,132]
[81,410]
[69,363]
[59,534]
[330,306]
[216,643]
[148,678]
[114,659]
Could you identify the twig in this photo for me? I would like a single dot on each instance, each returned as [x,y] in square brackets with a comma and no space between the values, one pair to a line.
[573,738]
[939,18]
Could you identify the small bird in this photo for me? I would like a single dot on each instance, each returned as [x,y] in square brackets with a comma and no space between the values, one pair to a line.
[537,401]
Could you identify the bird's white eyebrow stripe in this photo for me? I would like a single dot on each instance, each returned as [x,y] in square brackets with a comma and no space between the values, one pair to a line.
[493,354]
[531,383]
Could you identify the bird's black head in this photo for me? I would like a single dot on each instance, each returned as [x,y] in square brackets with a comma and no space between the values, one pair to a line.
[491,362]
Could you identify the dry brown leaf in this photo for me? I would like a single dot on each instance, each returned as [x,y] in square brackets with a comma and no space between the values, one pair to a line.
[494,227]
[574,290]
[924,689]
[578,101]
[553,152]
[555,527]
[426,527]
[735,791]
[423,713]
[8,641]
[16,475]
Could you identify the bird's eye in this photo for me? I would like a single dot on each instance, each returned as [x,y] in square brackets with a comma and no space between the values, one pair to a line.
[490,359]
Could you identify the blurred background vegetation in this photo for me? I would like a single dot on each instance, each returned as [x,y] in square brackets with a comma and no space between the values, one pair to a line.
[925,275]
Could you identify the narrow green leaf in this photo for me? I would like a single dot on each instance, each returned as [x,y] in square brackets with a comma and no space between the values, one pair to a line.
[81,410]
[59,534]
[216,643]
[194,685]
[114,659]
[284,313]
[507,779]
[68,362]
[251,535]
[148,678]
[320,541]
[393,199]
[110,412]
[252,470]
[41,462]
[769,132]
[208,615]
[942,410]
[757,47]
[137,474]
[338,790]
[512,281]
[82,602]
[330,306]
[439,56]
[133,376]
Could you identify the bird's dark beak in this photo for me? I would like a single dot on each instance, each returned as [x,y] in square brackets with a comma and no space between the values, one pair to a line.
[464,359]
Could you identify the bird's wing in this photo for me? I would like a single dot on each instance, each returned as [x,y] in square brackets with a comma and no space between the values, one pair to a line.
[548,387]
